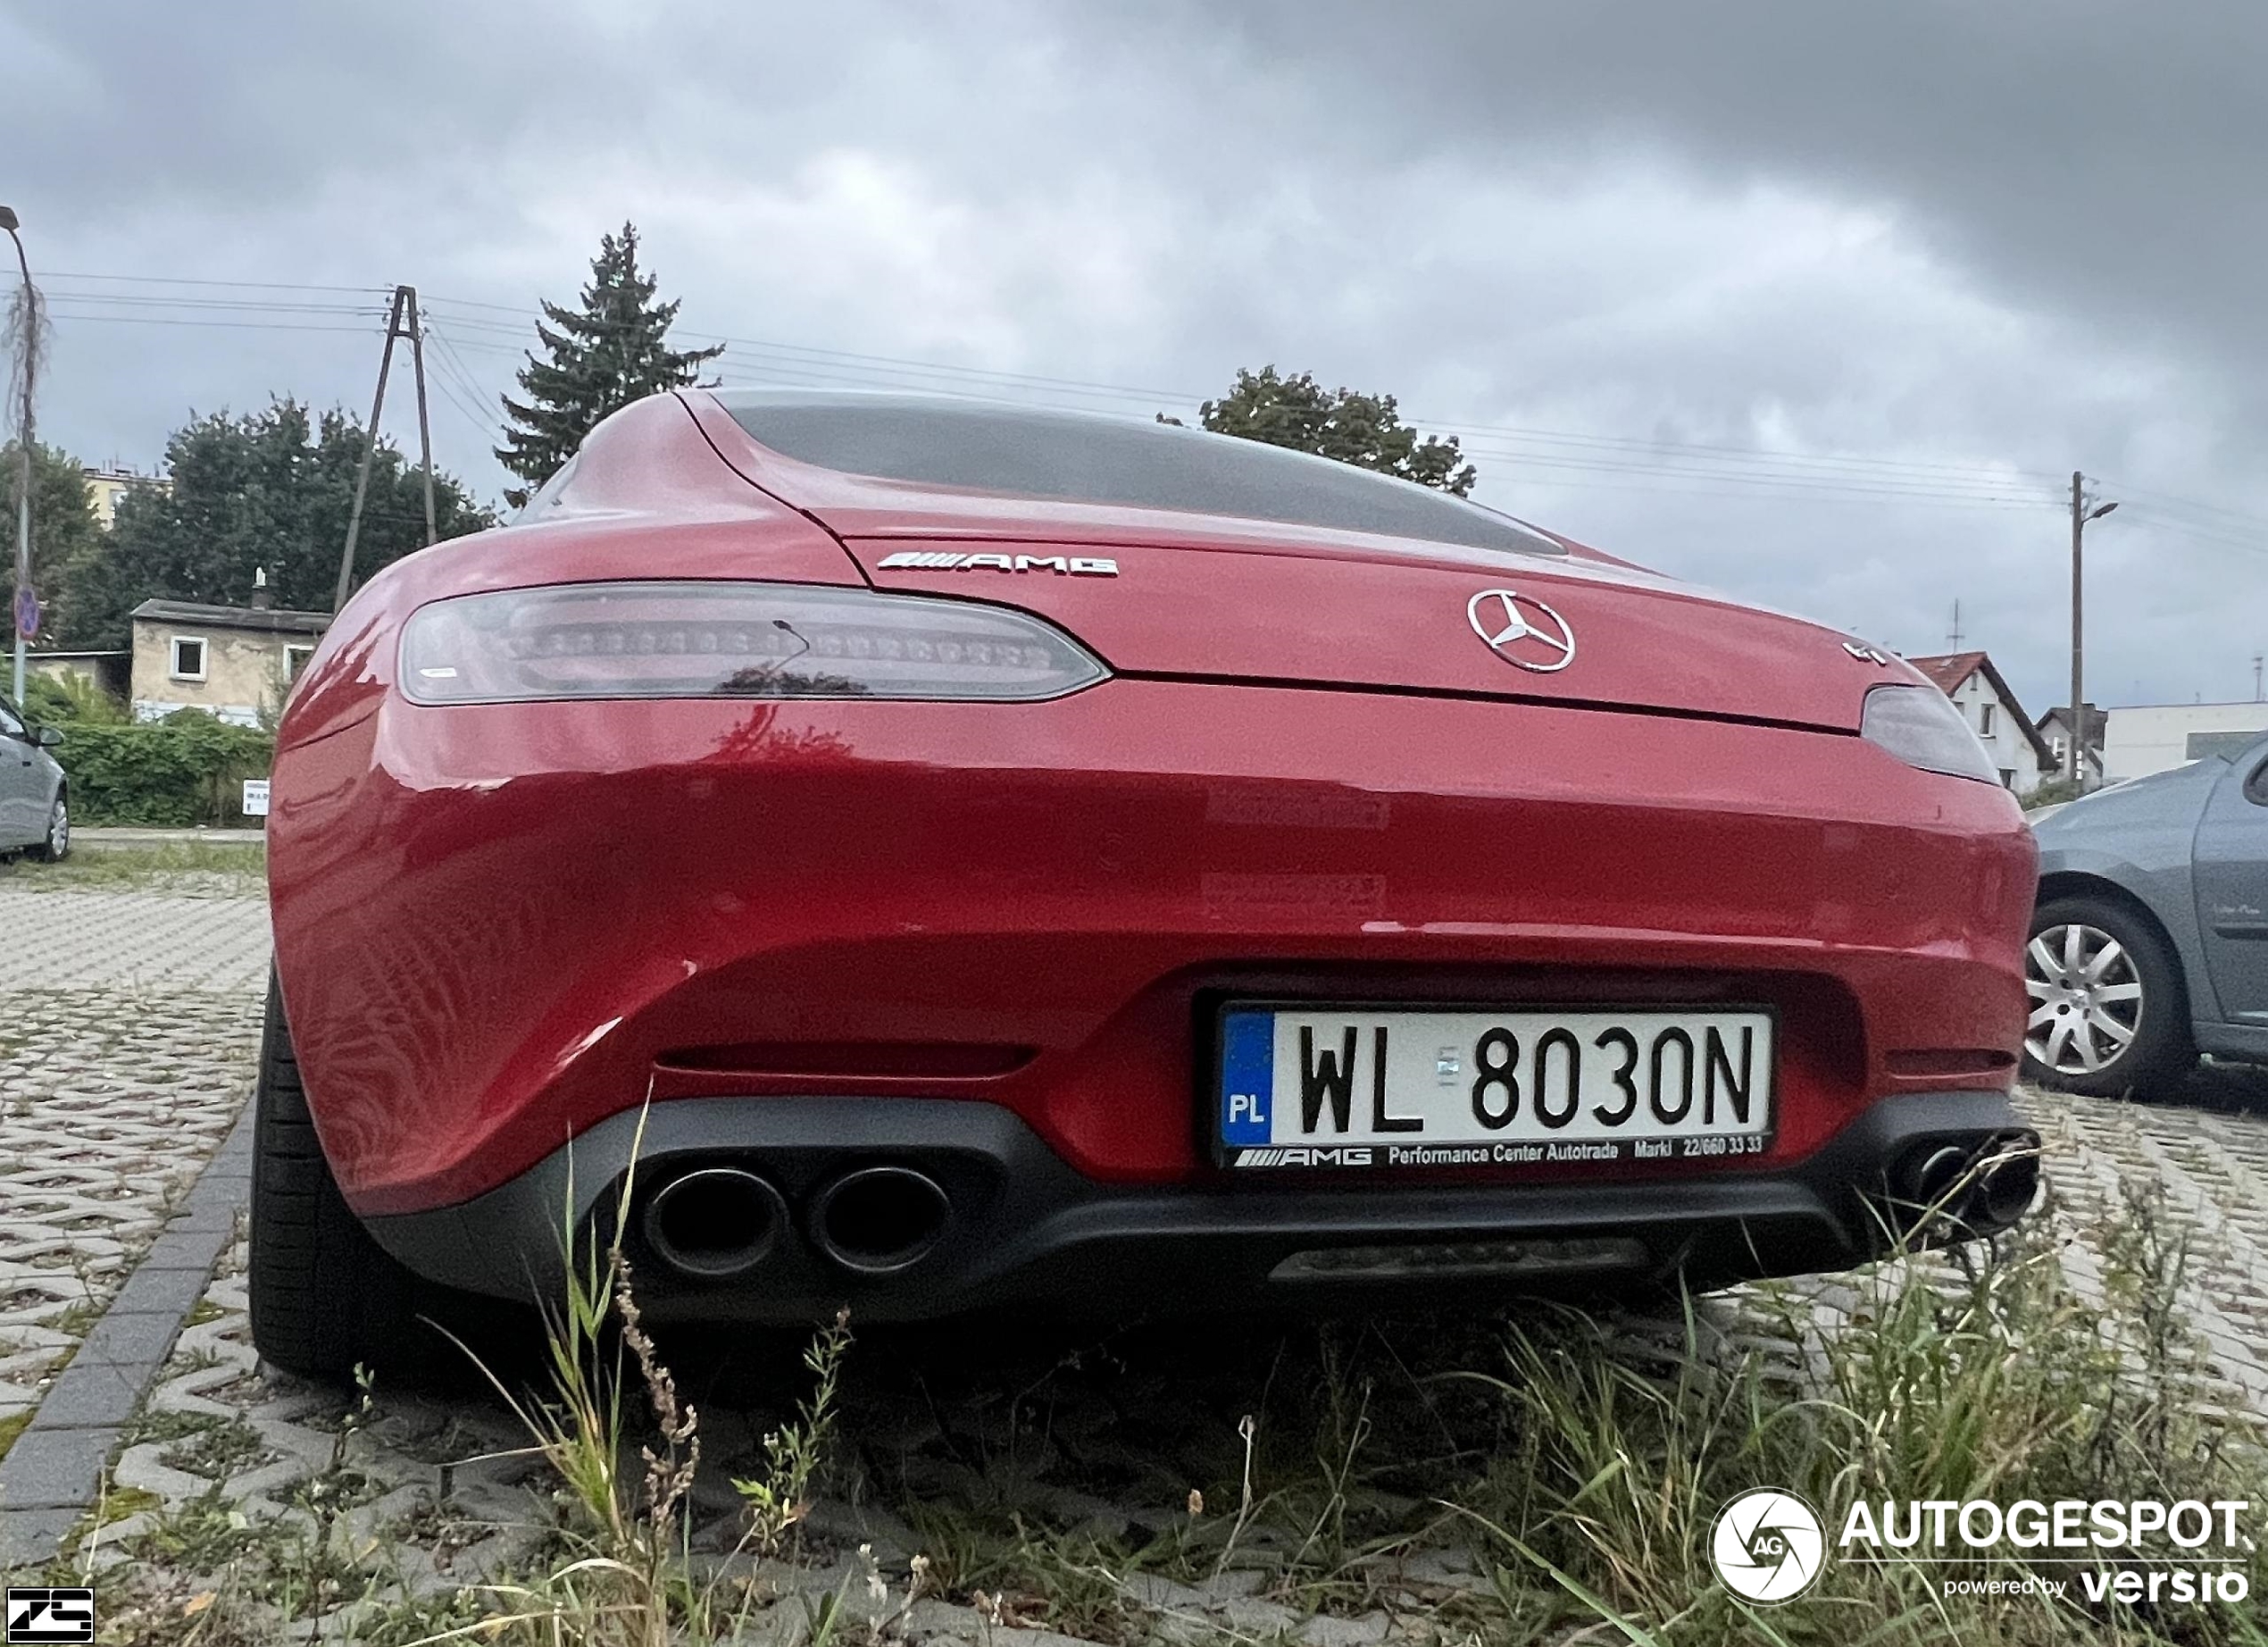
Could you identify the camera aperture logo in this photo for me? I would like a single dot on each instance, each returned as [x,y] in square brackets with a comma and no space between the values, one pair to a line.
[1768,1545]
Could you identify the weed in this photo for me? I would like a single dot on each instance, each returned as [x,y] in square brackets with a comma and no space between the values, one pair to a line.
[624,1574]
[778,1500]
[218,1450]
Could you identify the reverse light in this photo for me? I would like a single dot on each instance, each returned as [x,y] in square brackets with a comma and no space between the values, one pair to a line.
[688,639]
[1919,725]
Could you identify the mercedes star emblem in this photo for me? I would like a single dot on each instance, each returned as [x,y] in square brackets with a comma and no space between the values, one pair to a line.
[1521,630]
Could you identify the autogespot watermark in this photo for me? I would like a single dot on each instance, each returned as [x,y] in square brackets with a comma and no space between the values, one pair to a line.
[1770,1546]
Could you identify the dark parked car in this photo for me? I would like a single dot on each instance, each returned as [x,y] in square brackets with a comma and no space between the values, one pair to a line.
[2150,943]
[35,797]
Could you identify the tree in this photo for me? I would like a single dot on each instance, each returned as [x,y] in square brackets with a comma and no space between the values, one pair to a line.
[614,350]
[266,490]
[64,528]
[1363,429]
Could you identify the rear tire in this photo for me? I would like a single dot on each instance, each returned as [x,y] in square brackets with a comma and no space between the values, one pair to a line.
[325,1297]
[2138,991]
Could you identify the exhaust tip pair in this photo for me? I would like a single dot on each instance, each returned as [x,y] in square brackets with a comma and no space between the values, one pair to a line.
[1987,1189]
[715,1223]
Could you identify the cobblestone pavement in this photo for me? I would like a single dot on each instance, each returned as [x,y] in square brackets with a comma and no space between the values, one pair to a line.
[110,1102]
[1105,1436]
[100,939]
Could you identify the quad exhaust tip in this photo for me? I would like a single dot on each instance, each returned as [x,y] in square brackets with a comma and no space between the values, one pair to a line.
[714,1222]
[880,1220]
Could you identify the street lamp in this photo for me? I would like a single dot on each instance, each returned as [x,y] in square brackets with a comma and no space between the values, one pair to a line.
[24,611]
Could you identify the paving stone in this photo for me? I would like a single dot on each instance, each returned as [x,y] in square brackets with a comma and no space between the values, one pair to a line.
[47,1469]
[92,1394]
[193,1249]
[131,1338]
[30,1538]
[169,1290]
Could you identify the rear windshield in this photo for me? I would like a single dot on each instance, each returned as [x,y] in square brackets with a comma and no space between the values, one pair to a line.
[1102,460]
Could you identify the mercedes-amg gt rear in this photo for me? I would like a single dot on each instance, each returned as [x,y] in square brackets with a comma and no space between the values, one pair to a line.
[971,856]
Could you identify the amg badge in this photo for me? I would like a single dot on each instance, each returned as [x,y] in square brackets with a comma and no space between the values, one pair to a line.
[1062,566]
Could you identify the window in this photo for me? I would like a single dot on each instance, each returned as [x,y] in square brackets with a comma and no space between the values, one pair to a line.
[2008,778]
[2227,746]
[1984,720]
[1020,452]
[10,727]
[295,661]
[189,657]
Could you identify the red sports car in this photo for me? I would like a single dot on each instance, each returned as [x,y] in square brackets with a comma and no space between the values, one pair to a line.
[976,856]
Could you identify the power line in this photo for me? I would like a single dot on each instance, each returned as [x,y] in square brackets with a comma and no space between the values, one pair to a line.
[175,280]
[172,320]
[1562,458]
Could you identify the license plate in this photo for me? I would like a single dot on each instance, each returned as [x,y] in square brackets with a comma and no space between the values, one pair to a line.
[1306,1086]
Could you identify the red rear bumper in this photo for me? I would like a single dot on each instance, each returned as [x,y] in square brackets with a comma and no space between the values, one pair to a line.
[499,925]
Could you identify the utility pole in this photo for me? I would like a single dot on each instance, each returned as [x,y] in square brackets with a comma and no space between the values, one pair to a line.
[1955,637]
[401,321]
[25,607]
[2081,516]
[2258,659]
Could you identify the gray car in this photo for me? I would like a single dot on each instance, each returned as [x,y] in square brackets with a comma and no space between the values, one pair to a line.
[2150,940]
[35,796]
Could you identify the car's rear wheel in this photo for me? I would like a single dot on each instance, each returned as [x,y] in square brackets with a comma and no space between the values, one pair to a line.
[2108,1011]
[55,845]
[325,1297]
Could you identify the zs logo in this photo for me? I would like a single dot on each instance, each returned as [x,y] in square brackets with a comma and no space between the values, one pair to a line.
[66,1614]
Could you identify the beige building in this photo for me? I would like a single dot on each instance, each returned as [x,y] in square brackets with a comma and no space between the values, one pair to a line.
[234,662]
[105,487]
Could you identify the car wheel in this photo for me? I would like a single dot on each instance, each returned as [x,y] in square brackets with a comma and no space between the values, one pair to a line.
[325,1297]
[57,844]
[2109,1013]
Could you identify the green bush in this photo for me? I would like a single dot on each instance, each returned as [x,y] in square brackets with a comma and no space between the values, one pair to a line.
[186,769]
[73,698]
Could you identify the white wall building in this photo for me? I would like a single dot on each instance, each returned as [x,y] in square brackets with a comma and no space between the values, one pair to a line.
[2141,739]
[2019,754]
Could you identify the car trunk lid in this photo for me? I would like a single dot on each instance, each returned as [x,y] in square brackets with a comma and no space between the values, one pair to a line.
[1409,617]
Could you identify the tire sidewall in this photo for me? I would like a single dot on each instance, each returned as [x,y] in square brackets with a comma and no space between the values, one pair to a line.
[2160,1054]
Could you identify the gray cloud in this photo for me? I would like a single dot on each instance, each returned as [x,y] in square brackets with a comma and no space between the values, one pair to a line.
[1986,242]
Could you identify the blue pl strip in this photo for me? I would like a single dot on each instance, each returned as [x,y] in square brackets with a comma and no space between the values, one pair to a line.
[1247,1077]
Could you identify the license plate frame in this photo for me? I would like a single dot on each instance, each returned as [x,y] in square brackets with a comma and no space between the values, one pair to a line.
[1233,1149]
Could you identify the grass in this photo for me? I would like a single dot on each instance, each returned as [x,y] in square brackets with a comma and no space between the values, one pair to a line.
[191,868]
[1549,1475]
[1584,1461]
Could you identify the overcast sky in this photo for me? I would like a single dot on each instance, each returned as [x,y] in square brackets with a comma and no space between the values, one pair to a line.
[1820,303]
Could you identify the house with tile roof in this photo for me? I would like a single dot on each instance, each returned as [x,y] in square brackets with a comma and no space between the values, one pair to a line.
[2019,753]
[2055,726]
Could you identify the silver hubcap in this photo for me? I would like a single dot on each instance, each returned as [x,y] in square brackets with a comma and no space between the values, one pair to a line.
[59,831]
[2086,999]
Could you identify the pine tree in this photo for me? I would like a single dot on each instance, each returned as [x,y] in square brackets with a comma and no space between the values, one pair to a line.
[611,352]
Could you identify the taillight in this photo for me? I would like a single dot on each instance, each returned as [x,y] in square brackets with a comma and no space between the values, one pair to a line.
[685,639]
[1919,725]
